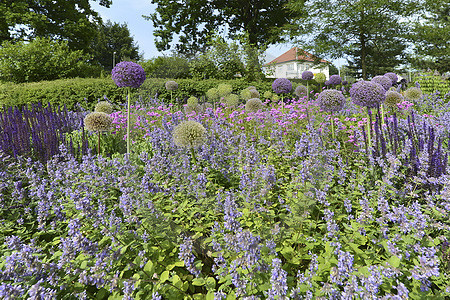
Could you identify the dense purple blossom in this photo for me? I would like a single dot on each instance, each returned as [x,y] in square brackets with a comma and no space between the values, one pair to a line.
[335,80]
[384,81]
[367,93]
[307,75]
[278,280]
[392,76]
[282,86]
[128,74]
[331,100]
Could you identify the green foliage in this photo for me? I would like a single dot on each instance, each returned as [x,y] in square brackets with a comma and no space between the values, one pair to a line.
[70,92]
[430,83]
[166,67]
[113,37]
[42,59]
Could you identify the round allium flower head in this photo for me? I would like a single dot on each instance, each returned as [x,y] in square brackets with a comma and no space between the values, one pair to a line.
[251,87]
[212,94]
[367,93]
[192,101]
[267,95]
[254,93]
[307,75]
[327,82]
[331,100]
[392,76]
[393,98]
[104,106]
[253,105]
[282,86]
[128,74]
[413,93]
[335,79]
[301,90]
[231,100]
[384,81]
[97,121]
[246,94]
[345,82]
[171,85]
[320,78]
[189,134]
[224,89]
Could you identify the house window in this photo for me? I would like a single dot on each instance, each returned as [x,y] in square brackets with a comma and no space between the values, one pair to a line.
[290,67]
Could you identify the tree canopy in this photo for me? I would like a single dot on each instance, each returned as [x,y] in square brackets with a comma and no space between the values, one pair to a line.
[73,21]
[370,34]
[196,20]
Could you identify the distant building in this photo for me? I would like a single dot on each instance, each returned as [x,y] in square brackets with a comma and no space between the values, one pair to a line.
[293,63]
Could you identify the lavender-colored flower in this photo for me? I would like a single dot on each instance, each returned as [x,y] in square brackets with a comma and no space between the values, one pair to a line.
[384,81]
[186,254]
[367,93]
[392,76]
[345,82]
[327,82]
[278,280]
[307,75]
[335,79]
[128,74]
[331,100]
[282,86]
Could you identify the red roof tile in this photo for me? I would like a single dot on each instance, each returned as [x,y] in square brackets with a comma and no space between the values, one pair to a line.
[293,55]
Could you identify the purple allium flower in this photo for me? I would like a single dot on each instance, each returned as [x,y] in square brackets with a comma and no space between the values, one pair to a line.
[331,100]
[367,93]
[345,82]
[282,86]
[128,74]
[327,82]
[392,76]
[307,75]
[335,79]
[384,81]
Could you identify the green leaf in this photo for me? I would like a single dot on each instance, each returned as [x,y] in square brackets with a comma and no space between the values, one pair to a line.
[164,276]
[198,281]
[149,268]
[394,261]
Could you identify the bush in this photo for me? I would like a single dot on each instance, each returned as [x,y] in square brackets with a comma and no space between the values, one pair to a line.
[42,59]
[166,67]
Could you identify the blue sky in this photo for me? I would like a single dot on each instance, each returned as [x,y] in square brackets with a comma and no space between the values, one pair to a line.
[131,11]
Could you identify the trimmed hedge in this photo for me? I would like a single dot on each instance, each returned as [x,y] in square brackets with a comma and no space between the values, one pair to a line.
[430,83]
[87,91]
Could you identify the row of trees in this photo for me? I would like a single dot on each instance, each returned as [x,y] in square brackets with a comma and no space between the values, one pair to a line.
[374,36]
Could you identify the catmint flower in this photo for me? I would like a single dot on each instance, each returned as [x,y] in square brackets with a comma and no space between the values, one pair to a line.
[104,106]
[367,93]
[384,81]
[331,100]
[98,121]
[392,76]
[171,85]
[282,86]
[278,280]
[320,78]
[307,75]
[189,134]
[301,90]
[413,93]
[393,98]
[128,74]
[253,105]
[335,79]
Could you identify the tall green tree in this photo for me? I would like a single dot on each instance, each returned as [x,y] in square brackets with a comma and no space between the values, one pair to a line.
[431,36]
[363,31]
[73,21]
[113,37]
[194,21]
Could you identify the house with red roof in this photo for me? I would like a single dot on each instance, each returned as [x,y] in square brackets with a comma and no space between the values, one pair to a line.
[293,63]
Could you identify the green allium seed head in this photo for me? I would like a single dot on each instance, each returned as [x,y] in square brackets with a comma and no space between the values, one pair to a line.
[320,78]
[301,90]
[246,94]
[254,93]
[97,121]
[104,106]
[231,100]
[393,98]
[171,85]
[194,108]
[212,94]
[224,89]
[267,95]
[189,134]
[251,87]
[253,105]
[192,101]
[413,93]
[275,97]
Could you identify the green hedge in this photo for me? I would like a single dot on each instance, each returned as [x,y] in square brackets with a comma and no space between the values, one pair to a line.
[87,91]
[430,83]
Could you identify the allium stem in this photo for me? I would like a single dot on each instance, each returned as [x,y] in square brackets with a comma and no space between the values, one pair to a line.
[382,115]
[369,128]
[193,155]
[332,127]
[128,119]
[98,145]
[307,90]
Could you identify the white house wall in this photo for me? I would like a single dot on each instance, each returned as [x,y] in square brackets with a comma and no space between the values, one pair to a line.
[293,70]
